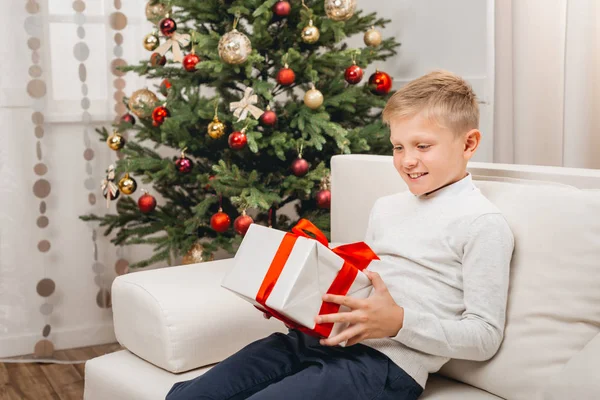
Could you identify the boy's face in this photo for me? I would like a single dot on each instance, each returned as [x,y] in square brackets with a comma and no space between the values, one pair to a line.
[434,152]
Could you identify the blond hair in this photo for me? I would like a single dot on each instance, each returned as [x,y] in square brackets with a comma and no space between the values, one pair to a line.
[441,96]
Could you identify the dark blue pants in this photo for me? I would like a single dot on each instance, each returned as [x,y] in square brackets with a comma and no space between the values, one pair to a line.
[296,367]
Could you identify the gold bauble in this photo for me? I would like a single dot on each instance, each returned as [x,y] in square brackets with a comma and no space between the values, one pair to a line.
[194,255]
[313,98]
[340,10]
[310,33]
[372,37]
[141,103]
[216,128]
[115,141]
[151,41]
[155,11]
[127,184]
[234,47]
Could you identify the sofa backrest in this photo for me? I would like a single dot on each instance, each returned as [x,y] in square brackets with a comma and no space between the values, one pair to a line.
[554,294]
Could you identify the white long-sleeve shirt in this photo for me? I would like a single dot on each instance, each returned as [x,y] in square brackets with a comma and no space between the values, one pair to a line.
[445,259]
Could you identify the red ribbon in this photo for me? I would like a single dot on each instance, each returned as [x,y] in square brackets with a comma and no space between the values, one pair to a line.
[357,257]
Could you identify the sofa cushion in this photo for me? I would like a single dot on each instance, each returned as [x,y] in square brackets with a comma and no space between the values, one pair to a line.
[180,318]
[553,305]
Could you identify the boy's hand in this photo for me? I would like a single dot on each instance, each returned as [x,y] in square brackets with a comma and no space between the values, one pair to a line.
[375,317]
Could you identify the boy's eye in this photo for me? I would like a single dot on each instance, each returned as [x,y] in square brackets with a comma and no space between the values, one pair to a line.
[424,146]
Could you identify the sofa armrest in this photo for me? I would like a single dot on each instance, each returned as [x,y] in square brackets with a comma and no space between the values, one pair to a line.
[579,378]
[180,318]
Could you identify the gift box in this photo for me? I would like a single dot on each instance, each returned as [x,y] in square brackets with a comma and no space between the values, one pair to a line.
[287,273]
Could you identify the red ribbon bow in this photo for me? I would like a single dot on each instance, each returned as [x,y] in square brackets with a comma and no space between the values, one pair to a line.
[357,257]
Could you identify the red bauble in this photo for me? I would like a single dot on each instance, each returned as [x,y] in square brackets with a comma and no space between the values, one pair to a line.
[159,114]
[268,118]
[300,167]
[128,118]
[238,140]
[165,85]
[190,61]
[157,59]
[220,221]
[380,83]
[184,164]
[146,203]
[207,186]
[282,8]
[168,26]
[286,76]
[353,74]
[242,223]
[323,199]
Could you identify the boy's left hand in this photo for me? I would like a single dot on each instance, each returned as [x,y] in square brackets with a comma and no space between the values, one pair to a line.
[375,317]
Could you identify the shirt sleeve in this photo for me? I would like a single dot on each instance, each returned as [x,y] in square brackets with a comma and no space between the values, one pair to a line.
[478,333]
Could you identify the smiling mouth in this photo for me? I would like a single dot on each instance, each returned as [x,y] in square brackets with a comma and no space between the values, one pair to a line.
[417,176]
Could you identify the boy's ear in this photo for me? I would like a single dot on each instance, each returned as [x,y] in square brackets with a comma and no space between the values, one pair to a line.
[472,140]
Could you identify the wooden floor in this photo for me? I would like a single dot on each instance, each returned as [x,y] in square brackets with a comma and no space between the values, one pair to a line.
[37,381]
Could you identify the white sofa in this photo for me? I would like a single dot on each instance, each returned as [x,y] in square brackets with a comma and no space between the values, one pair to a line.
[176,322]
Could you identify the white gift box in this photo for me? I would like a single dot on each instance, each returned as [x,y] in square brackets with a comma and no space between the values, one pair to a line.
[307,274]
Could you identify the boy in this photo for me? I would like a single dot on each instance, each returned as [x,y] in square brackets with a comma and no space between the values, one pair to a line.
[439,290]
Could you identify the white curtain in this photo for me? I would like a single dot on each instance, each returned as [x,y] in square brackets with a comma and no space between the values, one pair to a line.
[547,93]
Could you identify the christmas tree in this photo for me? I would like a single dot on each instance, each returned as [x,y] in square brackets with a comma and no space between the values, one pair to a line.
[257,96]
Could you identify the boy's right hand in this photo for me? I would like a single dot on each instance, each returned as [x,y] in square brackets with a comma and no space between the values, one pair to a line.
[268,316]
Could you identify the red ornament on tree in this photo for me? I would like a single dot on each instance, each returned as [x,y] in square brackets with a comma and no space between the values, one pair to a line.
[323,198]
[242,223]
[128,118]
[159,114]
[207,186]
[238,140]
[268,118]
[146,203]
[380,83]
[165,85]
[157,59]
[190,61]
[282,8]
[168,26]
[300,167]
[184,164]
[220,221]
[286,76]
[353,74]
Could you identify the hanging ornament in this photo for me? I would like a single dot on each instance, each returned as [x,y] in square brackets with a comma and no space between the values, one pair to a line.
[159,114]
[189,61]
[155,11]
[165,85]
[323,198]
[286,76]
[380,83]
[340,10]
[116,141]
[128,118]
[372,37]
[299,166]
[157,59]
[110,191]
[146,202]
[151,41]
[313,98]
[195,255]
[220,221]
[268,118]
[167,26]
[238,140]
[246,105]
[242,223]
[282,8]
[310,33]
[184,164]
[353,73]
[234,46]
[141,102]
[127,184]
[175,40]
[216,128]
